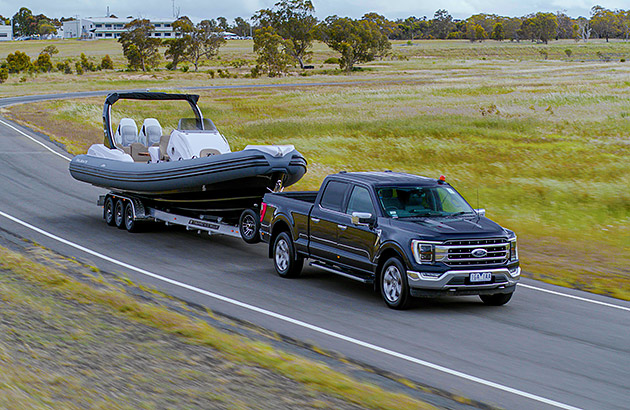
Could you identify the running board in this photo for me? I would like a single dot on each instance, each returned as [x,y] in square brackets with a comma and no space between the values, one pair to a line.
[321,266]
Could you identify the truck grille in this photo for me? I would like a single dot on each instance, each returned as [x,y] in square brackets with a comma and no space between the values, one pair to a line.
[460,252]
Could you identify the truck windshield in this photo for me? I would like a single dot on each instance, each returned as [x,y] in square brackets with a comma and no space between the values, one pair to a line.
[420,201]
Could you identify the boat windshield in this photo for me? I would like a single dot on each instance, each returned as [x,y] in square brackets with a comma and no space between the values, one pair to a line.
[194,125]
[422,201]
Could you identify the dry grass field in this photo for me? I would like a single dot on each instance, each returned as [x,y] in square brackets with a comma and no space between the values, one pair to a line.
[541,138]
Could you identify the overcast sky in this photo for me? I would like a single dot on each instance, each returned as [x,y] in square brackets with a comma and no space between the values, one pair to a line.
[392,9]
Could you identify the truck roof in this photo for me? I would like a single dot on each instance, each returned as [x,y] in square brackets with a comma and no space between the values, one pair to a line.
[377,178]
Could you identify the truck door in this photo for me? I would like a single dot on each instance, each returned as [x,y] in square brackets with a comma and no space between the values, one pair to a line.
[324,221]
[357,242]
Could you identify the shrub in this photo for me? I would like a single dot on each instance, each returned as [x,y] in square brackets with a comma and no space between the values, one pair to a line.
[50,50]
[43,64]
[18,62]
[107,63]
[185,68]
[568,52]
[78,67]
[544,54]
[332,60]
[64,67]
[211,73]
[4,75]
[86,65]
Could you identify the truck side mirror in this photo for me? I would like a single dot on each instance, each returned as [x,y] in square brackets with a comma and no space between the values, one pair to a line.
[362,218]
[480,212]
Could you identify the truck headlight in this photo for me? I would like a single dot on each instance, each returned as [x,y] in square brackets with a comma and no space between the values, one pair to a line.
[426,252]
[513,250]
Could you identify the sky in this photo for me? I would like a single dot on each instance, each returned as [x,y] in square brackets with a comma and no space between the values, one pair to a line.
[392,9]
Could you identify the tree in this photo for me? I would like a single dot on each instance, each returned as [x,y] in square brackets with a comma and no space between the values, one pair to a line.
[546,26]
[358,41]
[223,24]
[584,29]
[45,27]
[272,51]
[604,22]
[24,24]
[241,27]
[476,32]
[497,32]
[5,20]
[195,42]
[205,41]
[387,27]
[140,49]
[292,20]
[442,24]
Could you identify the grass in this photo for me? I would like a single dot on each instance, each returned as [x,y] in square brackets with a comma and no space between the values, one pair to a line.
[90,330]
[542,143]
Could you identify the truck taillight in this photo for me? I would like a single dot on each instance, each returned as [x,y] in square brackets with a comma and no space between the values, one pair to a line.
[263,209]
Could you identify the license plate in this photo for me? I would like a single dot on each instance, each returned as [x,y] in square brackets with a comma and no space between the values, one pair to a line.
[480,277]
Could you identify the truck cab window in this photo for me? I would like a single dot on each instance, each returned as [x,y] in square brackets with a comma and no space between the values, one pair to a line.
[333,195]
[360,201]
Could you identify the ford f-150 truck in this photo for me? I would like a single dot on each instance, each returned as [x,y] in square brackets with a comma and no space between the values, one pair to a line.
[408,235]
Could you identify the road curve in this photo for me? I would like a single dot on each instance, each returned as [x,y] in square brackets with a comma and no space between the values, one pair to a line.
[542,350]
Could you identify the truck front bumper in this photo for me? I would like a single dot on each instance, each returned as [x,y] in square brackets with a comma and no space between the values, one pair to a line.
[458,282]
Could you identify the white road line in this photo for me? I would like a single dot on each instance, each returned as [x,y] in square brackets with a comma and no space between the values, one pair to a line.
[296,321]
[553,292]
[34,140]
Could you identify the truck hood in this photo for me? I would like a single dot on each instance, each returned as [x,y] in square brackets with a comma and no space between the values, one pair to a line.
[439,227]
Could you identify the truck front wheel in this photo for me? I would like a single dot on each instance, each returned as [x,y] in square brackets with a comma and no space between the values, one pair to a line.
[394,286]
[284,260]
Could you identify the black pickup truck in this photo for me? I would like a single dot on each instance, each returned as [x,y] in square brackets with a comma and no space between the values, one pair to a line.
[408,235]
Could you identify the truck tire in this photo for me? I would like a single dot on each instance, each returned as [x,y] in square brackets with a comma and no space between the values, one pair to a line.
[119,214]
[108,211]
[498,299]
[130,221]
[393,284]
[284,260]
[249,226]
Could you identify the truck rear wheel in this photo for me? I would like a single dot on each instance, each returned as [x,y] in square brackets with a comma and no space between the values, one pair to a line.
[287,264]
[249,226]
[394,286]
[108,211]
[498,299]
[119,214]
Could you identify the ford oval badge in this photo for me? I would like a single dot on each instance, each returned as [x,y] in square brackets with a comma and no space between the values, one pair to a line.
[479,253]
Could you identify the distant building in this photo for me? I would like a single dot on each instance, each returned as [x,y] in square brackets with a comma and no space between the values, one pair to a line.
[6,32]
[109,27]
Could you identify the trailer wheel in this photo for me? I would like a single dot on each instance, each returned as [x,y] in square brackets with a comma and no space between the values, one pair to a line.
[119,214]
[249,226]
[108,211]
[130,221]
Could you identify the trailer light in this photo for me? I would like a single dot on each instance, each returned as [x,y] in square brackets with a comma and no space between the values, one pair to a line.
[263,209]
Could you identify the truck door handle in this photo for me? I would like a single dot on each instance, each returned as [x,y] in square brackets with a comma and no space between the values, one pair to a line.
[315,219]
[342,227]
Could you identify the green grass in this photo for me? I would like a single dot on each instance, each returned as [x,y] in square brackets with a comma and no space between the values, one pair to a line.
[544,144]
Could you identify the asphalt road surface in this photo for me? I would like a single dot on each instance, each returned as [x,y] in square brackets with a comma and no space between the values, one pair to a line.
[549,347]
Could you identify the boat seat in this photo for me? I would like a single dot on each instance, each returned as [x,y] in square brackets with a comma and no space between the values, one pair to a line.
[126,133]
[139,152]
[163,146]
[151,132]
[208,152]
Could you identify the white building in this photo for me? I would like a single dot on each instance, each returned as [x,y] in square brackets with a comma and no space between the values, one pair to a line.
[109,27]
[6,32]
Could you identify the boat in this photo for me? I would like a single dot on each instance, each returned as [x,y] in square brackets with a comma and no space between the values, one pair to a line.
[192,170]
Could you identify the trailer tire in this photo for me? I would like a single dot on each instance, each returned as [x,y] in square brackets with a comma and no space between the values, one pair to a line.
[131,224]
[108,211]
[249,226]
[119,214]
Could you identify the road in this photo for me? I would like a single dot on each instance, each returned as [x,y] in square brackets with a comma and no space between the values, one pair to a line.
[549,347]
